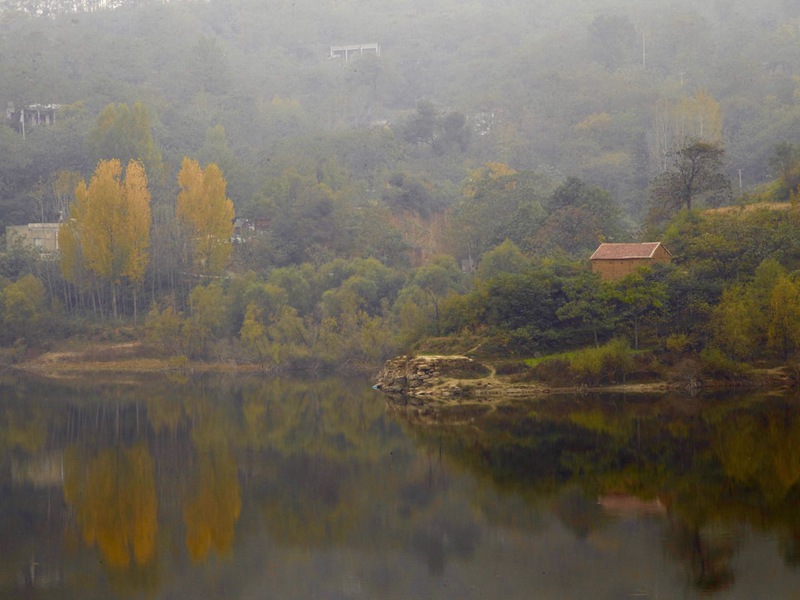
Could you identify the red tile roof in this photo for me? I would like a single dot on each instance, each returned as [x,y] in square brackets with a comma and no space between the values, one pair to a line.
[625,251]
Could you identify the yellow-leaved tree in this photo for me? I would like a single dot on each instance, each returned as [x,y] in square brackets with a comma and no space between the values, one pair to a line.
[207,213]
[108,232]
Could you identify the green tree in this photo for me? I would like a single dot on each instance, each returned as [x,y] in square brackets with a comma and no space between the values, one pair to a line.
[580,217]
[505,258]
[695,173]
[587,303]
[253,334]
[436,280]
[637,297]
[734,325]
[613,40]
[420,127]
[24,305]
[125,134]
[208,317]
[499,203]
[783,332]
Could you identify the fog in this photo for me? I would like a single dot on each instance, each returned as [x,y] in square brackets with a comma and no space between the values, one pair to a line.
[597,90]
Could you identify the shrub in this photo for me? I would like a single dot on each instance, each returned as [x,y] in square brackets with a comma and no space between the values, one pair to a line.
[678,342]
[587,365]
[511,367]
[552,370]
[610,362]
[716,364]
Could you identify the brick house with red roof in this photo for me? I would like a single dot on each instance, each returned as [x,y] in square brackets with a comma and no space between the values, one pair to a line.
[615,261]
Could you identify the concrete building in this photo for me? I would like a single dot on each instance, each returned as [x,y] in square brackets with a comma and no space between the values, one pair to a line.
[41,236]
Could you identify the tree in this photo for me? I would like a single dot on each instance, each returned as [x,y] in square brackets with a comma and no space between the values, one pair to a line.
[207,214]
[24,307]
[681,121]
[108,232]
[442,132]
[505,258]
[208,317]
[695,173]
[613,40]
[784,164]
[637,296]
[420,127]
[499,203]
[587,303]
[734,324]
[125,134]
[253,333]
[784,317]
[438,279]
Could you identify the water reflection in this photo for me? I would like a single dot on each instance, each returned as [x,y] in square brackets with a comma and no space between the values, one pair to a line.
[230,488]
[708,470]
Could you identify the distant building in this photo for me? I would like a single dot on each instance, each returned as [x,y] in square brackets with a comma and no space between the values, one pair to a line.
[34,115]
[615,261]
[41,236]
[468,265]
[245,228]
[347,50]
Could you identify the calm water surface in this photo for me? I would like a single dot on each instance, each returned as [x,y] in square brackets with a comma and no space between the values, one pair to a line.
[249,489]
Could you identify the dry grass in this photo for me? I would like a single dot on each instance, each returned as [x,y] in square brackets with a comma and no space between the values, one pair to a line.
[777,206]
[129,357]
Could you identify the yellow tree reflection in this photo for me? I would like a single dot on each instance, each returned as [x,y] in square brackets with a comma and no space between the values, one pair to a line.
[114,497]
[761,451]
[211,512]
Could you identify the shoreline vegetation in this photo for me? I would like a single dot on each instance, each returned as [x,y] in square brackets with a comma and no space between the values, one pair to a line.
[442,380]
[427,381]
[322,216]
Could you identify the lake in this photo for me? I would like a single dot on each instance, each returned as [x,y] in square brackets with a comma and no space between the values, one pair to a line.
[242,488]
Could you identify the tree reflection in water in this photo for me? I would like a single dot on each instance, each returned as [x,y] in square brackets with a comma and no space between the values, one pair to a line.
[163,480]
[710,468]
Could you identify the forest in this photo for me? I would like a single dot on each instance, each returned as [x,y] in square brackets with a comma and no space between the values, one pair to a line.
[228,187]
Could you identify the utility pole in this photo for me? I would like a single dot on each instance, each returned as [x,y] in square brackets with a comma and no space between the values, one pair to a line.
[644,53]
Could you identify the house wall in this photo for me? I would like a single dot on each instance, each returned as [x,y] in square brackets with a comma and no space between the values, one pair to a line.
[41,236]
[662,255]
[611,270]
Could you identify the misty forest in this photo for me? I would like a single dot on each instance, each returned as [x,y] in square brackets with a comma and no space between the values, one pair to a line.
[326,183]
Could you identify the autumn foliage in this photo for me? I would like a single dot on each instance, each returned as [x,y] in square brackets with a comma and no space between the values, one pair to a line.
[108,233]
[207,213]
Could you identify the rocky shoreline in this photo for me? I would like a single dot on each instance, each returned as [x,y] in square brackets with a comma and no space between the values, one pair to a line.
[426,378]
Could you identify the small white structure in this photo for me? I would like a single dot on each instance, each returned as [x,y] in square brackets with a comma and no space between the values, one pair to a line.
[346,50]
[41,236]
[33,115]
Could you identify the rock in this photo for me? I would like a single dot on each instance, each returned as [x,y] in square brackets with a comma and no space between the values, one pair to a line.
[415,376]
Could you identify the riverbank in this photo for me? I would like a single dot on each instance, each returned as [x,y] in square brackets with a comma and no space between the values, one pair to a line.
[428,379]
[127,357]
[448,380]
